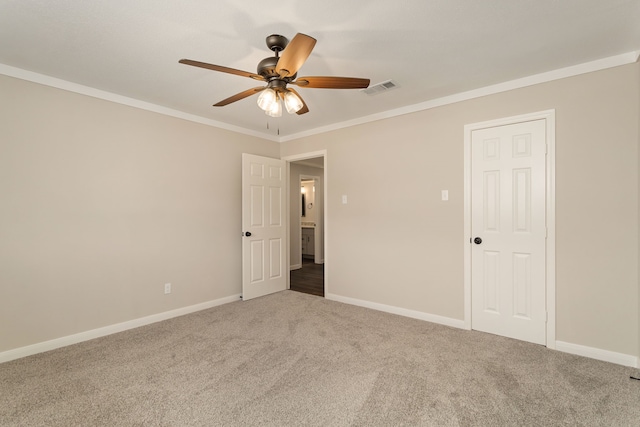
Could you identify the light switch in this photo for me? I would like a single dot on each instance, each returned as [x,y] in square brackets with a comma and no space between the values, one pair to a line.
[344,199]
[445,195]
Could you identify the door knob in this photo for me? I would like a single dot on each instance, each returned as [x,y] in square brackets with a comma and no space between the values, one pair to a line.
[477,240]
[248,233]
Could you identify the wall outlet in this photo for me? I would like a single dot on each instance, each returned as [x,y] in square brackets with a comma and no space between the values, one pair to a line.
[167,288]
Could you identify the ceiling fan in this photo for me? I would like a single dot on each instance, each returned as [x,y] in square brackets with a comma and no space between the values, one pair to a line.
[279,71]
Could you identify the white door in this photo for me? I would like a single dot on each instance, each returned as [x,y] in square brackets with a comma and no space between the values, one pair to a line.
[263,226]
[509,231]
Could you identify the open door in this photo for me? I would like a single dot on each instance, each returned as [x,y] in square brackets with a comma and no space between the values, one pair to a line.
[264,265]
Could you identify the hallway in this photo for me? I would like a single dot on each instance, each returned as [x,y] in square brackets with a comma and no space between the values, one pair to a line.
[309,279]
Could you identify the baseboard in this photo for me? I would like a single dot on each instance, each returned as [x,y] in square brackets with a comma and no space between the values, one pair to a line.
[598,354]
[434,318]
[578,350]
[295,267]
[29,350]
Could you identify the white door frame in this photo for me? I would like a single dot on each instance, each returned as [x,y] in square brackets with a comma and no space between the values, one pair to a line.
[325,210]
[549,117]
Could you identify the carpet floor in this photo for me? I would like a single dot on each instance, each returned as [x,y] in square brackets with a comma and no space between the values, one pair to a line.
[291,359]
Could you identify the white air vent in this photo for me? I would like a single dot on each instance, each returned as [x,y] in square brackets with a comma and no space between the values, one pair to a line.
[380,87]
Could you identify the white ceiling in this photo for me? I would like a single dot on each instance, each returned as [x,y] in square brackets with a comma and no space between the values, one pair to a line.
[430,48]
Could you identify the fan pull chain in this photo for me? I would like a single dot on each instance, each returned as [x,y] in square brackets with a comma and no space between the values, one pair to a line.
[268,128]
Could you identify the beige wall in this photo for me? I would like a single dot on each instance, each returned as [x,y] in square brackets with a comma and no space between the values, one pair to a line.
[101,204]
[397,243]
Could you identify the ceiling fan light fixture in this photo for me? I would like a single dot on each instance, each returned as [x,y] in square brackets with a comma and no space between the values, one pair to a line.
[275,109]
[292,102]
[267,99]
[279,71]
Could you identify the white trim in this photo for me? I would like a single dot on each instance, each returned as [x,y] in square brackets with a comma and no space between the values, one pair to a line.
[295,267]
[433,318]
[587,67]
[41,347]
[598,354]
[549,117]
[305,156]
[124,100]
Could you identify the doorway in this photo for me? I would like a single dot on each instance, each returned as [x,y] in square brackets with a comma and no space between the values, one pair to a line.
[307,210]
[510,227]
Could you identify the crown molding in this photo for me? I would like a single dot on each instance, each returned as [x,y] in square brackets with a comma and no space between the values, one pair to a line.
[43,79]
[587,67]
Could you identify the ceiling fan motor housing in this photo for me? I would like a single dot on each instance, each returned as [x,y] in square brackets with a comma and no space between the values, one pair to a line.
[267,67]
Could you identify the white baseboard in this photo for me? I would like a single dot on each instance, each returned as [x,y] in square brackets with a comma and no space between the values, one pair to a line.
[41,347]
[579,350]
[295,267]
[598,354]
[434,318]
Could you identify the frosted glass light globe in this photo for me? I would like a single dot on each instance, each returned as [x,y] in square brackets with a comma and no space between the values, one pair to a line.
[267,98]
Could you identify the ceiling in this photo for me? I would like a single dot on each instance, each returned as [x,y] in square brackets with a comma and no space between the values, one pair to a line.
[429,48]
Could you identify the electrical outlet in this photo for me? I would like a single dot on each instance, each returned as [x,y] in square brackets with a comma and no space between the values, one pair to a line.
[167,288]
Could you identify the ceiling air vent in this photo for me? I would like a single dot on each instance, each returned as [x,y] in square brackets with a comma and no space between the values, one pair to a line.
[380,87]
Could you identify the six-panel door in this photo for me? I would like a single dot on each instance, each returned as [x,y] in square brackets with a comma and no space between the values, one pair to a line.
[263,217]
[508,215]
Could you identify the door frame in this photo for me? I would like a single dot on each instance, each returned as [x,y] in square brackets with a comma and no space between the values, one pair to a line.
[550,245]
[325,209]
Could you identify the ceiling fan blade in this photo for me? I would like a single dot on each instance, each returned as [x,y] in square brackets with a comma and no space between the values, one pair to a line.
[221,69]
[295,54]
[324,82]
[239,96]
[304,108]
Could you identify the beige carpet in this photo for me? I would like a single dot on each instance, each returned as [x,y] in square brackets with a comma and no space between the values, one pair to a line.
[291,359]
